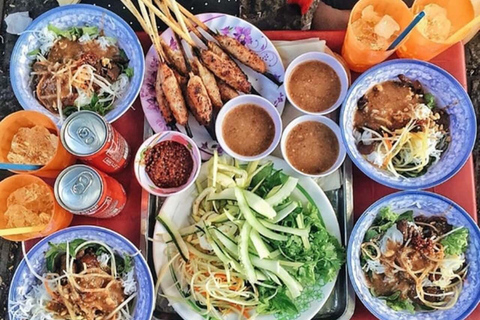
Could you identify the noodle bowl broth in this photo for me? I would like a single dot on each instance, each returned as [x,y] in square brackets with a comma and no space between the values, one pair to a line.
[414,262]
[98,277]
[399,127]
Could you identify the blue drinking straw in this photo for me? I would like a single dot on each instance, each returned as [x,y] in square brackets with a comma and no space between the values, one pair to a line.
[19,167]
[407,30]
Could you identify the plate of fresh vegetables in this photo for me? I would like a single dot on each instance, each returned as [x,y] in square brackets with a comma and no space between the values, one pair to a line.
[247,240]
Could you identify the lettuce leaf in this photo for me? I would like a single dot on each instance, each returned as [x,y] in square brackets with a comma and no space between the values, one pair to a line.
[280,302]
[456,243]
[401,305]
[324,257]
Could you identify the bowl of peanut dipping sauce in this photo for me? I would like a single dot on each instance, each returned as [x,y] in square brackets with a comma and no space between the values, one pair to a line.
[248,127]
[312,146]
[316,83]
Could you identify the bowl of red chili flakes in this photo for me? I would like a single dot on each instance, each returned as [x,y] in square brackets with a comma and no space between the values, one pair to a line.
[167,163]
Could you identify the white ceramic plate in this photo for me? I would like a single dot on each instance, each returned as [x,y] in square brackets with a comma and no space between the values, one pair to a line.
[178,209]
[246,33]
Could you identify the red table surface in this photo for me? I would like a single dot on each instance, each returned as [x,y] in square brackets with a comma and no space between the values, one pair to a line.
[460,188]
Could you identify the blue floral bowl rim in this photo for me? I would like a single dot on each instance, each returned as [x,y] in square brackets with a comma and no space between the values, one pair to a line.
[399,185]
[385,200]
[34,250]
[134,91]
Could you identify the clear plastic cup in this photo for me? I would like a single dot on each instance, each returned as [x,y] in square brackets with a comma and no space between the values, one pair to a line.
[418,46]
[60,218]
[356,53]
[10,125]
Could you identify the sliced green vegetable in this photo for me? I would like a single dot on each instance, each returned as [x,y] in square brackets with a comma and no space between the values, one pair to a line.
[282,214]
[259,245]
[175,235]
[259,205]
[252,220]
[244,254]
[296,231]
[301,225]
[284,192]
[293,286]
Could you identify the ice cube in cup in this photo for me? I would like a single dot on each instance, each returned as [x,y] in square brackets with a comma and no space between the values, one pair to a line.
[435,25]
[386,27]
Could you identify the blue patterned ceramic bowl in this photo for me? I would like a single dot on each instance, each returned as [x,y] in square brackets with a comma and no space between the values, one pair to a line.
[23,279]
[428,204]
[69,16]
[449,94]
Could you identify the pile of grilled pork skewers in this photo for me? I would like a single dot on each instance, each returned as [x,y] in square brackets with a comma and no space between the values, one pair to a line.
[204,82]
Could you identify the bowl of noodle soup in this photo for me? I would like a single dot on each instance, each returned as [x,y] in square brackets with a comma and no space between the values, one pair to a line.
[83,281]
[414,255]
[77,57]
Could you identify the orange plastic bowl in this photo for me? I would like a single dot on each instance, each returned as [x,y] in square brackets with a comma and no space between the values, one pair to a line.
[10,125]
[60,219]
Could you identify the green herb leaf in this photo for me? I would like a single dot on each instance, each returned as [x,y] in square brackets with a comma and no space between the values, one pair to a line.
[386,219]
[57,250]
[59,32]
[370,234]
[261,175]
[429,100]
[33,53]
[456,243]
[129,72]
[91,31]
[401,305]
[392,297]
[280,303]
[407,215]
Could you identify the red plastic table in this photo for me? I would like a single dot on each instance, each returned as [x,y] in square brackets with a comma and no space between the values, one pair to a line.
[460,188]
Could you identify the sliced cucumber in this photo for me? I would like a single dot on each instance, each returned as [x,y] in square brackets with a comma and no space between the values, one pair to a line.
[301,224]
[298,232]
[227,194]
[224,180]
[259,245]
[253,221]
[255,202]
[244,254]
[282,214]
[259,205]
[175,235]
[284,192]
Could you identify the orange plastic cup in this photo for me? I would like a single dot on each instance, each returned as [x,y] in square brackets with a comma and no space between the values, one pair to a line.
[60,219]
[360,57]
[10,125]
[417,46]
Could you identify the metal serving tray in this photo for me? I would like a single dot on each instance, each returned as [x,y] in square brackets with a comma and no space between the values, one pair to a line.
[340,304]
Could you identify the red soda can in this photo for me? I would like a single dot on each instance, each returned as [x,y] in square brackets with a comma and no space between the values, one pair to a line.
[89,137]
[87,191]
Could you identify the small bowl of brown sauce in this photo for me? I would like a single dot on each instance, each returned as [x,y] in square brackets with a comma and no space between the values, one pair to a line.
[167,163]
[316,83]
[312,146]
[248,127]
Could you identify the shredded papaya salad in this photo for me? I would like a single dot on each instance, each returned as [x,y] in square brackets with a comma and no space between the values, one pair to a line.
[252,246]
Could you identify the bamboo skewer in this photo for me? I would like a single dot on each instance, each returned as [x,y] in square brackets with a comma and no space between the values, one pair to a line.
[131,7]
[168,22]
[215,35]
[145,20]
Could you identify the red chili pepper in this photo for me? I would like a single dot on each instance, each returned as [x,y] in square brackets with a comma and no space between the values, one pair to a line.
[303,4]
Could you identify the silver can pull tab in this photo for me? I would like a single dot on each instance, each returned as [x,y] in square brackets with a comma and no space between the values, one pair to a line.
[86,135]
[82,183]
